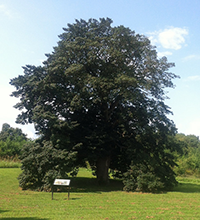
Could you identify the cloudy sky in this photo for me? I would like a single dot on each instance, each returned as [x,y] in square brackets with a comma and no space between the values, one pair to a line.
[29,29]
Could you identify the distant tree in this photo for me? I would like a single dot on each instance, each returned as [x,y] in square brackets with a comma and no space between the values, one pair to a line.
[13,133]
[11,140]
[189,159]
[192,141]
[101,90]
[187,142]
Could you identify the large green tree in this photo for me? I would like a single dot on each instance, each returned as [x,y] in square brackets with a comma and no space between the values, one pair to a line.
[103,89]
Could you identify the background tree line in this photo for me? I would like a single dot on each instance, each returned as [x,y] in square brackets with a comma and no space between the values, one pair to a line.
[188,159]
[11,141]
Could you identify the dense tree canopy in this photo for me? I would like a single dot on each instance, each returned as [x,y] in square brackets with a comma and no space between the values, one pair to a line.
[100,94]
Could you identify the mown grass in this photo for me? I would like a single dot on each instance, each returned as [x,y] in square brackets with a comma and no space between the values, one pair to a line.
[89,201]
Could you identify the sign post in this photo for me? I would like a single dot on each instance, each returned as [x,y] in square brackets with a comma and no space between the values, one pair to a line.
[61,182]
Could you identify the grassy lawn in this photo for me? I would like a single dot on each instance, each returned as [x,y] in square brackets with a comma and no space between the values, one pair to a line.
[88,201]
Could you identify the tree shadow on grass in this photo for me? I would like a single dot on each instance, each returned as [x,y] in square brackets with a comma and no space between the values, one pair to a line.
[187,188]
[2,211]
[25,218]
[84,184]
[87,185]
[20,218]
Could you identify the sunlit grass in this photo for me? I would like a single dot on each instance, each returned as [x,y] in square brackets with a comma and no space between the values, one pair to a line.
[89,201]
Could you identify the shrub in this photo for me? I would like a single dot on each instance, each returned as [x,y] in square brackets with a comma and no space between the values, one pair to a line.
[42,163]
[146,178]
[141,178]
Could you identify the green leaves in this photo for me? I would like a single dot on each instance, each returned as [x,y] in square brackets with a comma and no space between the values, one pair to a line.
[100,89]
[42,163]
[11,141]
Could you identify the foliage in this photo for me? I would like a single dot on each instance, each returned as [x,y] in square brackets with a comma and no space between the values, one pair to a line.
[103,89]
[11,147]
[187,142]
[42,163]
[189,160]
[13,133]
[11,141]
[141,178]
[189,164]
[148,178]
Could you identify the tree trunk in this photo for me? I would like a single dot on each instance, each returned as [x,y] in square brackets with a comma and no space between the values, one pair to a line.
[102,170]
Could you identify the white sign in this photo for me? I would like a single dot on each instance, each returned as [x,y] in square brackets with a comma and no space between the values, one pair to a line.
[61,182]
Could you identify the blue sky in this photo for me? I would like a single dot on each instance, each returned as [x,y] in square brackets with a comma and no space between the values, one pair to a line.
[29,29]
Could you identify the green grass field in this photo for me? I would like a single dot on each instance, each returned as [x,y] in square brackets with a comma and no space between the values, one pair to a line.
[88,201]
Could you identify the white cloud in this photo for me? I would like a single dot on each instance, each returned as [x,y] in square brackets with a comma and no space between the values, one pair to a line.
[153,37]
[171,38]
[191,57]
[165,53]
[193,78]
